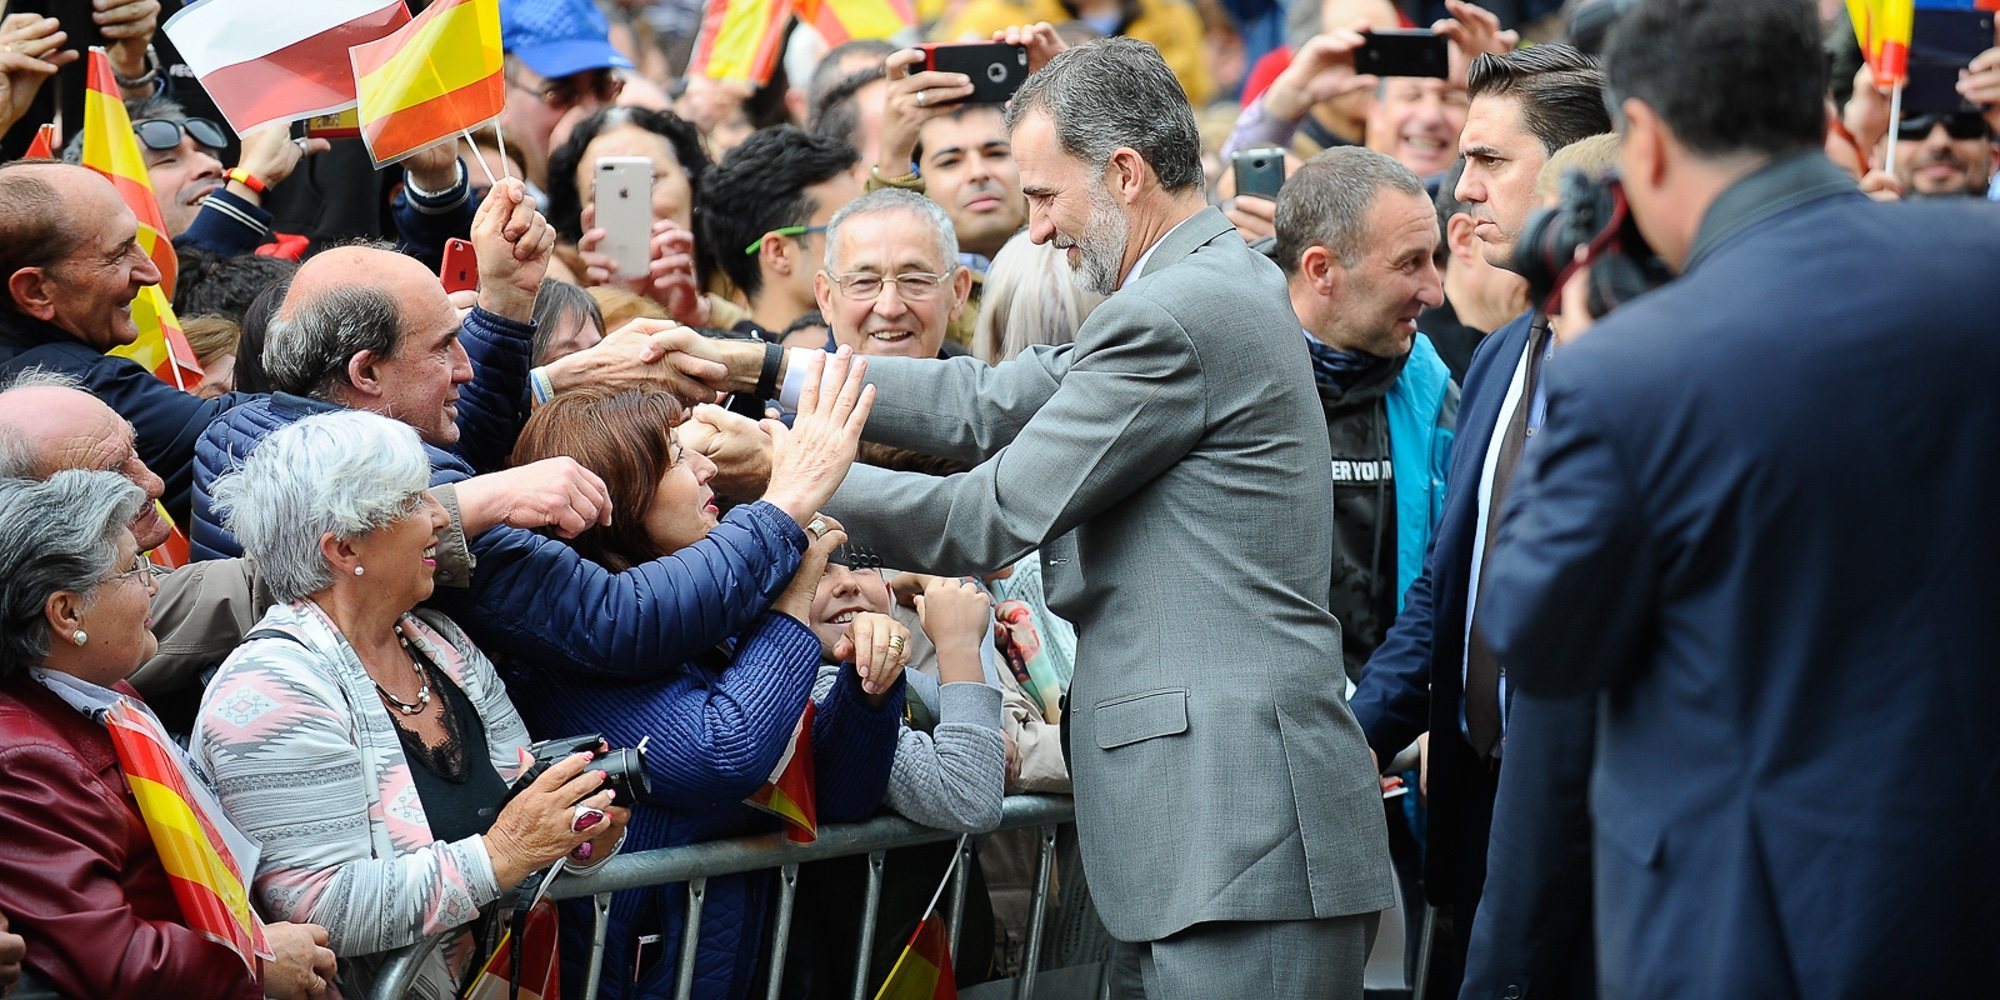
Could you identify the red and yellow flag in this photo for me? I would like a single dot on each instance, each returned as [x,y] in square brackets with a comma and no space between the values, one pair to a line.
[110,148]
[175,552]
[431,79]
[740,40]
[842,21]
[789,792]
[923,970]
[1883,28]
[44,145]
[208,878]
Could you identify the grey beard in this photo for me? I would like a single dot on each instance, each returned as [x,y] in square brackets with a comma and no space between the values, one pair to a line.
[1102,247]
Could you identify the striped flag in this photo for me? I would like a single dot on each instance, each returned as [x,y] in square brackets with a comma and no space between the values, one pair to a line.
[175,551]
[266,62]
[740,40]
[431,79]
[1883,28]
[110,148]
[208,874]
[842,21]
[788,793]
[44,145]
[923,970]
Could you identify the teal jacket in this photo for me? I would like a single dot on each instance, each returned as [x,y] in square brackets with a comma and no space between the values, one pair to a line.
[1422,408]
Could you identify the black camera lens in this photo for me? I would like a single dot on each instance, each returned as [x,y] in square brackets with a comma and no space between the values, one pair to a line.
[625,774]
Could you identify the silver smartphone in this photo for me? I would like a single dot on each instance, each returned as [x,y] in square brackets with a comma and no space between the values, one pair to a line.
[624,200]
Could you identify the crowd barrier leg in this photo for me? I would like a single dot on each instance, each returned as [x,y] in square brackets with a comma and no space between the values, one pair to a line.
[957,903]
[781,935]
[690,938]
[600,931]
[1038,912]
[870,907]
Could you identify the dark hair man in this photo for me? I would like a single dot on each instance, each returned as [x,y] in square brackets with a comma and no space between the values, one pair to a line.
[1150,463]
[1478,297]
[763,212]
[1431,674]
[1784,651]
[1944,155]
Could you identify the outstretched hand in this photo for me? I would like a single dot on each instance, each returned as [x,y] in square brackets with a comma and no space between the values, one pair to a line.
[814,454]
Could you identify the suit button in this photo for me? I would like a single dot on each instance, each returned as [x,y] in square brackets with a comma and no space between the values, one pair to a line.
[1512,993]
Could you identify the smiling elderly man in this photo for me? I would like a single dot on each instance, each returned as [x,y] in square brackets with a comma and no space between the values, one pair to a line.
[892,282]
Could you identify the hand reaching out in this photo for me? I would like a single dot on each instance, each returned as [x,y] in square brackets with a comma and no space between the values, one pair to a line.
[1322,70]
[1041,39]
[878,646]
[739,446]
[512,242]
[814,454]
[958,617]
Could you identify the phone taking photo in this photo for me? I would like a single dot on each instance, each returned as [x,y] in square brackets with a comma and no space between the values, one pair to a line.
[1259,172]
[1403,52]
[460,272]
[996,68]
[623,197]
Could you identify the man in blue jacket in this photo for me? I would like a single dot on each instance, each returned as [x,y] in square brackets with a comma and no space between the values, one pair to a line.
[1759,529]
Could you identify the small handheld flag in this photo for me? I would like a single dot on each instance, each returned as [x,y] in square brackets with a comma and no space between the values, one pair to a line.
[789,792]
[431,79]
[923,970]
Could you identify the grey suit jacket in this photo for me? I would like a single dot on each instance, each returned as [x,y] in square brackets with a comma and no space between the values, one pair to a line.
[1172,467]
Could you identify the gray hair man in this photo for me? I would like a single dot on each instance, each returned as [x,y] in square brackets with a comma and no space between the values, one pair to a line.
[1168,456]
[892,283]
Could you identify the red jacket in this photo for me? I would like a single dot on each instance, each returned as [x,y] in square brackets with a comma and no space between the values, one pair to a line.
[79,878]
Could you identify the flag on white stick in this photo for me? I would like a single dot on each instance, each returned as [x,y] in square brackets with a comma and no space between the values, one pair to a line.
[265,62]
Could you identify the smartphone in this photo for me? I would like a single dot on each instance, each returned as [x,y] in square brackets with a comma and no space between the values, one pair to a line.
[1259,171]
[1403,52]
[1942,42]
[996,68]
[624,200]
[460,272]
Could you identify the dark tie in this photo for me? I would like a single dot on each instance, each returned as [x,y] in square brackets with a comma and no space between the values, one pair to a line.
[1482,667]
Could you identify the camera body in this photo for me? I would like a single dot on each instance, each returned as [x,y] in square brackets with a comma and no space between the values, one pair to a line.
[624,769]
[1594,215]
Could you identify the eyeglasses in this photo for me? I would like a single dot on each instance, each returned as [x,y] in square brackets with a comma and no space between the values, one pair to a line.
[565,93]
[141,570]
[161,134]
[913,286]
[782,231]
[1960,125]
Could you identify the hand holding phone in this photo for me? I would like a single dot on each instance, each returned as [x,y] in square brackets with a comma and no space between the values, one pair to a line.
[1403,52]
[460,272]
[996,68]
[623,201]
[1259,172]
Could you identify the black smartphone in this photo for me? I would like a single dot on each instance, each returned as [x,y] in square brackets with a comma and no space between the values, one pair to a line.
[1403,52]
[996,68]
[1259,171]
[1942,42]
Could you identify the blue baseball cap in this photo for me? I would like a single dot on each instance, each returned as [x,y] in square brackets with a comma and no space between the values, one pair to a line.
[558,37]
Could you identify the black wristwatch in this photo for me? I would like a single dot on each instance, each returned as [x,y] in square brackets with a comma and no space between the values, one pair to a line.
[767,380]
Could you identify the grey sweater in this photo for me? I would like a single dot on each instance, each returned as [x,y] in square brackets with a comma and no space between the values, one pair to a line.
[953,777]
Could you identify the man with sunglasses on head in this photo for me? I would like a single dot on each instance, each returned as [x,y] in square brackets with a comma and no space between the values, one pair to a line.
[1944,155]
[559,66]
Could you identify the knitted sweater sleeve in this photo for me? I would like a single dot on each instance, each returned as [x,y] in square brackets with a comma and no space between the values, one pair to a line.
[953,777]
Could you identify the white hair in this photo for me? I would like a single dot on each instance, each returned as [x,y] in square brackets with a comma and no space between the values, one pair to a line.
[1031,297]
[55,535]
[894,200]
[346,474]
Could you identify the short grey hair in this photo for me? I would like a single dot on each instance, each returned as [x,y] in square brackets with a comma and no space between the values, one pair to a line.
[1031,298]
[1326,202]
[58,534]
[308,344]
[345,473]
[1116,92]
[19,460]
[894,200]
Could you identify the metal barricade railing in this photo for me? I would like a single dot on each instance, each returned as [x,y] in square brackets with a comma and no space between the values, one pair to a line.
[694,864]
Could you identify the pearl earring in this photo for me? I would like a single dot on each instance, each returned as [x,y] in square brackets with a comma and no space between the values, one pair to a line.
[79,637]
[357,571]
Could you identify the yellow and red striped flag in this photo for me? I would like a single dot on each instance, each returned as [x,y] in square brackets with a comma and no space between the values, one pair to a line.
[175,552]
[430,79]
[923,970]
[789,792]
[843,21]
[208,875]
[44,145]
[161,348]
[740,40]
[1883,28]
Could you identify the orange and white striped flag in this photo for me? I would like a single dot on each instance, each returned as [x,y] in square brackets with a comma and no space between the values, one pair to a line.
[430,79]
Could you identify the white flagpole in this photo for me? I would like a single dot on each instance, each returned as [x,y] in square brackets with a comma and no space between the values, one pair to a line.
[1895,125]
[481,160]
[957,852]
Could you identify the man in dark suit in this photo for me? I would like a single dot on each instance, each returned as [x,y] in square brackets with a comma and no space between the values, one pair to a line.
[1525,106]
[1759,526]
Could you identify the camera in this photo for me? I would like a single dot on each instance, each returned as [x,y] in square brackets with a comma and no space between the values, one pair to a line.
[624,770]
[1594,215]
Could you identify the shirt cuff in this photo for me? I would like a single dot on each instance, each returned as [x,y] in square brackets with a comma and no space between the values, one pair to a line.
[795,377]
[969,703]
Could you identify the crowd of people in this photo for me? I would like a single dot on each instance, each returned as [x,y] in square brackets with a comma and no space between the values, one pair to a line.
[1554,512]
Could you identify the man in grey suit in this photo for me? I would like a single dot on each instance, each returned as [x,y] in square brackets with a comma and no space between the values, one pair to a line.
[1172,469]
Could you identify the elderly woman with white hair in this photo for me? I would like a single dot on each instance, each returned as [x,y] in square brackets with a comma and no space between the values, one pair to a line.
[82,879]
[364,744]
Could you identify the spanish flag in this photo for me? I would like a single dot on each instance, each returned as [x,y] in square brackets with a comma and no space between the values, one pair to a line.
[44,145]
[175,552]
[1883,28]
[789,792]
[431,79]
[740,40]
[842,21]
[110,148]
[207,873]
[923,970]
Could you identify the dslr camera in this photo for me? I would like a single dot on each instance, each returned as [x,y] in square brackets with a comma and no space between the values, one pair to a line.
[624,770]
[1594,215]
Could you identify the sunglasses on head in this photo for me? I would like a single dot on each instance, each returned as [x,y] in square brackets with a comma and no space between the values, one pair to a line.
[165,133]
[1960,125]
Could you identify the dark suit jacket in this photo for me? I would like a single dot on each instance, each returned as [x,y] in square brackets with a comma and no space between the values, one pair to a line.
[1761,523]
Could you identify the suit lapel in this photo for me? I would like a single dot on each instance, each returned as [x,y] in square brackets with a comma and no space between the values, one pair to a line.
[1198,231]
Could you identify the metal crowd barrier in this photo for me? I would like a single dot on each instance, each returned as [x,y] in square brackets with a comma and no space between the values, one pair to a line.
[695,864]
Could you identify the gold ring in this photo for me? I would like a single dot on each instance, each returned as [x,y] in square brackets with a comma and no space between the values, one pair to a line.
[896,643]
[817,526]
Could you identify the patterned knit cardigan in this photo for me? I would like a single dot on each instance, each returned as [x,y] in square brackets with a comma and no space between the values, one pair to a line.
[307,762]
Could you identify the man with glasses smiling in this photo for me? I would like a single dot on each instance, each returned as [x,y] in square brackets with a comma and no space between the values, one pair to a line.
[892,282]
[560,65]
